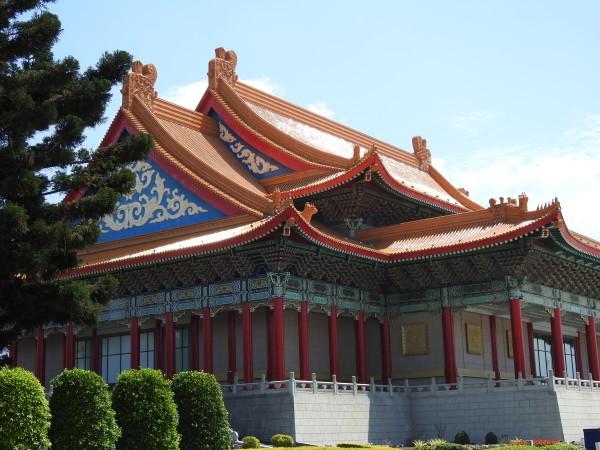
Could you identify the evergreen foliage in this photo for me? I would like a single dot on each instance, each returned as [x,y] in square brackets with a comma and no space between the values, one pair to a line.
[203,419]
[45,106]
[82,414]
[24,413]
[462,438]
[491,438]
[146,411]
[282,440]
[250,442]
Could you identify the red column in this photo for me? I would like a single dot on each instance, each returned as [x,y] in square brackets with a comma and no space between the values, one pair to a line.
[159,357]
[195,342]
[531,350]
[247,330]
[134,346]
[303,341]
[96,352]
[278,326]
[386,350]
[207,334]
[231,350]
[558,348]
[359,333]
[69,348]
[494,344]
[334,358]
[13,353]
[450,371]
[270,356]
[169,345]
[516,324]
[40,356]
[578,364]
[592,347]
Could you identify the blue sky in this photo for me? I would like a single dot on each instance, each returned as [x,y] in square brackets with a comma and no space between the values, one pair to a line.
[506,93]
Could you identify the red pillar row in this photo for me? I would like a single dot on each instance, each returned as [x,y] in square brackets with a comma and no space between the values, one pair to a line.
[207,335]
[450,371]
[578,360]
[231,348]
[386,350]
[592,347]
[159,357]
[558,349]
[96,352]
[516,323]
[494,343]
[13,353]
[169,345]
[248,353]
[195,343]
[270,355]
[359,332]
[334,358]
[40,356]
[134,346]
[303,341]
[69,348]
[531,350]
[278,331]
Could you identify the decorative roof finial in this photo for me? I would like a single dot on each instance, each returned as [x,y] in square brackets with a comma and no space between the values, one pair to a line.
[139,83]
[422,153]
[309,210]
[222,66]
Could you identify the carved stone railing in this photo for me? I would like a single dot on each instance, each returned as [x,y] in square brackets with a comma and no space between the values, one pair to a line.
[334,387]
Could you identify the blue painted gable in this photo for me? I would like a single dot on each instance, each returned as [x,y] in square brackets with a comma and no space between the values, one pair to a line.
[158,202]
[258,164]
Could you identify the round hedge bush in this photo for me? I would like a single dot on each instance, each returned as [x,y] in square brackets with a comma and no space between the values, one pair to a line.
[24,412]
[82,414]
[146,411]
[250,442]
[462,438]
[491,438]
[203,419]
[282,440]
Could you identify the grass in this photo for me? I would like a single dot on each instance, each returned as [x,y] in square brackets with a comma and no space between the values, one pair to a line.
[327,448]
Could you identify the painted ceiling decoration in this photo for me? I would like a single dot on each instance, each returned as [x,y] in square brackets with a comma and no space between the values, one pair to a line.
[156,203]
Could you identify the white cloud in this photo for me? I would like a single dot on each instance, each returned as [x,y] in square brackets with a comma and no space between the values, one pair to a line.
[569,169]
[188,95]
[322,109]
[470,120]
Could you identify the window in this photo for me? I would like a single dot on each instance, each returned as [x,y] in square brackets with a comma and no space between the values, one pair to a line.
[182,347]
[570,359]
[83,354]
[116,355]
[147,350]
[542,349]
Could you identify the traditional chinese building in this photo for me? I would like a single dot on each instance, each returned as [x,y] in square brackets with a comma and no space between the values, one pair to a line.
[263,239]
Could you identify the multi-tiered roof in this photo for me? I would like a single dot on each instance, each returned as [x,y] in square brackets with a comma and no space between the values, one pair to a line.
[245,165]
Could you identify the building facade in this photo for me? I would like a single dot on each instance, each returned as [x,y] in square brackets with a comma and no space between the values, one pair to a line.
[262,239]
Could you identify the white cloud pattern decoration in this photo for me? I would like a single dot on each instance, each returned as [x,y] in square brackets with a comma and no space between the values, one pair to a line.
[150,202]
[255,163]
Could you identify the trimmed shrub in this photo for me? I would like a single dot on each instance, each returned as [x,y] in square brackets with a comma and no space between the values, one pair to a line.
[491,438]
[350,445]
[146,411]
[250,442]
[282,440]
[82,414]
[24,412]
[203,419]
[462,438]
[448,446]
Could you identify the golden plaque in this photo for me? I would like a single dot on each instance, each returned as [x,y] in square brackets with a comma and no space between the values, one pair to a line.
[474,341]
[414,339]
[509,344]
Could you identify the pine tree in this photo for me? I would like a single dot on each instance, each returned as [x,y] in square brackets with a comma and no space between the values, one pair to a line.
[45,106]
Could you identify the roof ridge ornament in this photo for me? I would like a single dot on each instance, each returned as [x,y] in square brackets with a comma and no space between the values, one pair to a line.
[422,153]
[139,83]
[222,66]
